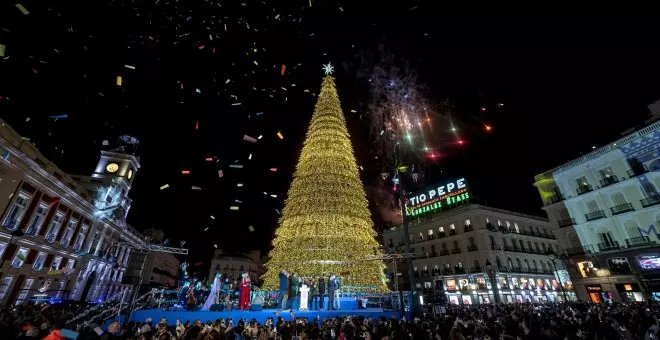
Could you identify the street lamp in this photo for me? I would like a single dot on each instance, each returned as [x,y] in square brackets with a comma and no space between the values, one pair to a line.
[491,278]
[552,257]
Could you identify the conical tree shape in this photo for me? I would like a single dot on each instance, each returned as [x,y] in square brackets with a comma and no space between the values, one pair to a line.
[326,226]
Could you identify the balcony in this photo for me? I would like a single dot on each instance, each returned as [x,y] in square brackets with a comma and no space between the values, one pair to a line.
[650,201]
[468,228]
[434,254]
[595,215]
[637,171]
[638,242]
[607,181]
[456,251]
[13,225]
[584,250]
[583,189]
[557,197]
[614,245]
[444,252]
[472,247]
[621,208]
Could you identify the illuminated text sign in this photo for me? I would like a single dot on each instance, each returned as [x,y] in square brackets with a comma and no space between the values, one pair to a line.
[438,197]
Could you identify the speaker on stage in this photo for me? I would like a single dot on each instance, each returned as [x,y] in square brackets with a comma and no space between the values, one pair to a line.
[217,307]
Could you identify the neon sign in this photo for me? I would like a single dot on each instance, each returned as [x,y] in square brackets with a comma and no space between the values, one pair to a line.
[438,197]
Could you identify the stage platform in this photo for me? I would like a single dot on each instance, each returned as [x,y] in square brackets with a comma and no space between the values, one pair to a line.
[261,316]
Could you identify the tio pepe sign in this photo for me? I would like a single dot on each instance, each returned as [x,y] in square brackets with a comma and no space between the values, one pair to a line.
[438,197]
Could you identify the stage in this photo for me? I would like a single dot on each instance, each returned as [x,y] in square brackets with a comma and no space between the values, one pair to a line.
[261,316]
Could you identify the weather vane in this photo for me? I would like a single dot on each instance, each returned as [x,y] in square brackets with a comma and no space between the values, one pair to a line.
[328,69]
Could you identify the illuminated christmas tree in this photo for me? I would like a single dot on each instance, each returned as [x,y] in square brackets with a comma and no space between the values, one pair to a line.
[326,226]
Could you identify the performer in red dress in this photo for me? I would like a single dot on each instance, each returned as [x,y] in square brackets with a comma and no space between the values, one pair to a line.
[244,299]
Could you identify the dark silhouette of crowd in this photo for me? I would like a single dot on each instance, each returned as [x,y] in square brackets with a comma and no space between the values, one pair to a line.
[514,321]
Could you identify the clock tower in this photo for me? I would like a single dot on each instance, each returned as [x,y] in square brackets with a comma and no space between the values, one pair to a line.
[112,179]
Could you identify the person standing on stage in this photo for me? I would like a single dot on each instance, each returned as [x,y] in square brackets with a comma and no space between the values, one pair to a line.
[333,285]
[284,289]
[295,291]
[313,291]
[244,297]
[321,291]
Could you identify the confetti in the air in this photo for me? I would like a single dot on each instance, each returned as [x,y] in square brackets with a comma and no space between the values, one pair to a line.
[239,184]
[251,228]
[2,50]
[119,80]
[250,157]
[220,173]
[283,69]
[196,188]
[209,159]
[163,187]
[279,134]
[236,166]
[105,142]
[185,172]
[212,217]
[249,139]
[260,136]
[273,169]
[233,207]
[129,67]
[22,9]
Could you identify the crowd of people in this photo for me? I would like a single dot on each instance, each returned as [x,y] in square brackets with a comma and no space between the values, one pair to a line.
[513,321]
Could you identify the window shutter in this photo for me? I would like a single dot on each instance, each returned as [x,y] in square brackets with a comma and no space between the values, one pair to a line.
[9,253]
[32,254]
[49,260]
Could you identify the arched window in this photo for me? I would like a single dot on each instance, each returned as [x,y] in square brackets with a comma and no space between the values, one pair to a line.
[471,240]
[633,229]
[518,263]
[467,222]
[533,264]
[543,266]
[444,245]
[592,206]
[526,263]
[499,223]
[508,224]
[455,244]
[430,232]
[515,225]
[618,199]
[442,229]
[497,261]
[452,226]
[509,263]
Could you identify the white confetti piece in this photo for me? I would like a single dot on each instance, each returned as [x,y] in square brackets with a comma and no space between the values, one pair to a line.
[250,156]
[163,187]
[279,134]
[212,217]
[260,136]
[129,67]
[236,166]
[2,50]
[249,139]
[207,228]
[105,143]
[239,184]
[236,104]
[220,173]
[233,207]
[196,188]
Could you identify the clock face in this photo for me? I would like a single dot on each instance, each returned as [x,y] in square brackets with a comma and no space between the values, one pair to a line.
[112,167]
[130,173]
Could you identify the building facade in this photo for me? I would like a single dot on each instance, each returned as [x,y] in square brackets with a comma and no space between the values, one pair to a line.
[476,254]
[606,205]
[61,236]
[233,264]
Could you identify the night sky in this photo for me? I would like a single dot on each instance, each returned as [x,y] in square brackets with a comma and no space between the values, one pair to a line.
[565,85]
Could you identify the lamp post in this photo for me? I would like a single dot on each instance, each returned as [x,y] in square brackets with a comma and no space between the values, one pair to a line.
[552,257]
[491,278]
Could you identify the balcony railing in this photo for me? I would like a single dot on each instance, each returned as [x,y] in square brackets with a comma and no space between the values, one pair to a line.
[567,222]
[580,250]
[638,242]
[614,245]
[456,250]
[595,215]
[636,172]
[621,208]
[472,247]
[468,228]
[607,181]
[583,189]
[13,225]
[444,252]
[650,201]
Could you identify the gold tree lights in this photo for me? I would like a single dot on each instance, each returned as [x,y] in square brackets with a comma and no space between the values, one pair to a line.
[326,226]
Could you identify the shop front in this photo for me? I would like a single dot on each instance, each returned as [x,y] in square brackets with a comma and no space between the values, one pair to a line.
[630,292]
[597,295]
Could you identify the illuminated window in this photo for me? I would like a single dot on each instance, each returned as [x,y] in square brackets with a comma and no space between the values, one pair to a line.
[467,222]
[430,232]
[25,291]
[442,229]
[515,225]
[4,286]
[499,223]
[68,233]
[452,226]
[587,269]
[34,226]
[54,227]
[508,224]
[56,263]
[39,262]
[16,212]
[19,258]
[3,246]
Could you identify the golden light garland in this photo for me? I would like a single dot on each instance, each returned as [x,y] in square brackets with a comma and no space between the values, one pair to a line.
[326,226]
